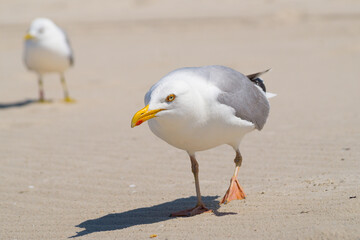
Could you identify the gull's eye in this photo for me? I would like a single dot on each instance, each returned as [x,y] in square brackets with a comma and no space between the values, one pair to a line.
[170,98]
[41,30]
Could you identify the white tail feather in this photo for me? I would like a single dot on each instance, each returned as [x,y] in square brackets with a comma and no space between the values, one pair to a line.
[270,95]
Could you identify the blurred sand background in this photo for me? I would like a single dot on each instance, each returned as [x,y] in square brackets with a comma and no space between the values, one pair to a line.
[80,170]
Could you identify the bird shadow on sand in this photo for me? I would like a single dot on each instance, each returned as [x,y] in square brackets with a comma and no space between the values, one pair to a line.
[146,215]
[21,103]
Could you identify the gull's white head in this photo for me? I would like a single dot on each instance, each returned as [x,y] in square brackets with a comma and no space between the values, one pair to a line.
[43,29]
[173,99]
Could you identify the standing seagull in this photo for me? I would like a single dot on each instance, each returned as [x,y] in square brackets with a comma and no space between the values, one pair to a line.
[47,50]
[199,108]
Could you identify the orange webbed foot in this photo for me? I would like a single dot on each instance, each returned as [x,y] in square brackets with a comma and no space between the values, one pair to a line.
[235,192]
[198,209]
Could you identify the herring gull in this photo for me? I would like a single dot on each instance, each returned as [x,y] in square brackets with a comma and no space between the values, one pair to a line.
[47,50]
[198,108]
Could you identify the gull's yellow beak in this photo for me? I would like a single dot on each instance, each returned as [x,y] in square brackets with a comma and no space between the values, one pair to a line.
[143,115]
[28,36]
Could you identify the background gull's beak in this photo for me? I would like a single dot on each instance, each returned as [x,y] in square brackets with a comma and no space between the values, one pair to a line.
[28,36]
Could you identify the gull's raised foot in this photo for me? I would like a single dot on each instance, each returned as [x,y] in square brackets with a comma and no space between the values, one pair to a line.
[69,100]
[198,209]
[235,192]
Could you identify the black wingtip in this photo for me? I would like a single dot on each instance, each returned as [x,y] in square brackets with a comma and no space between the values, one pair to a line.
[260,83]
[255,78]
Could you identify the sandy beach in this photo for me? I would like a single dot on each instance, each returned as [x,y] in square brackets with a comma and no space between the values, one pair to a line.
[79,171]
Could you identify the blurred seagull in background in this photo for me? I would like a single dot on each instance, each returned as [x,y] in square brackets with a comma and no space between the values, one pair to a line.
[199,108]
[47,50]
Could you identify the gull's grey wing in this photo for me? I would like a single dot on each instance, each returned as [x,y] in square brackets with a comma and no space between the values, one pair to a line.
[239,92]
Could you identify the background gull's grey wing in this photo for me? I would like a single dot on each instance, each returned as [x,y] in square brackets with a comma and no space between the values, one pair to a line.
[71,55]
[238,92]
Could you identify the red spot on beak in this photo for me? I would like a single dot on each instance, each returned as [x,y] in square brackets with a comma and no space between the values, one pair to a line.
[139,122]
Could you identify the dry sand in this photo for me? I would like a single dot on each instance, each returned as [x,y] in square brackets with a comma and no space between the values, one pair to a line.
[80,170]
